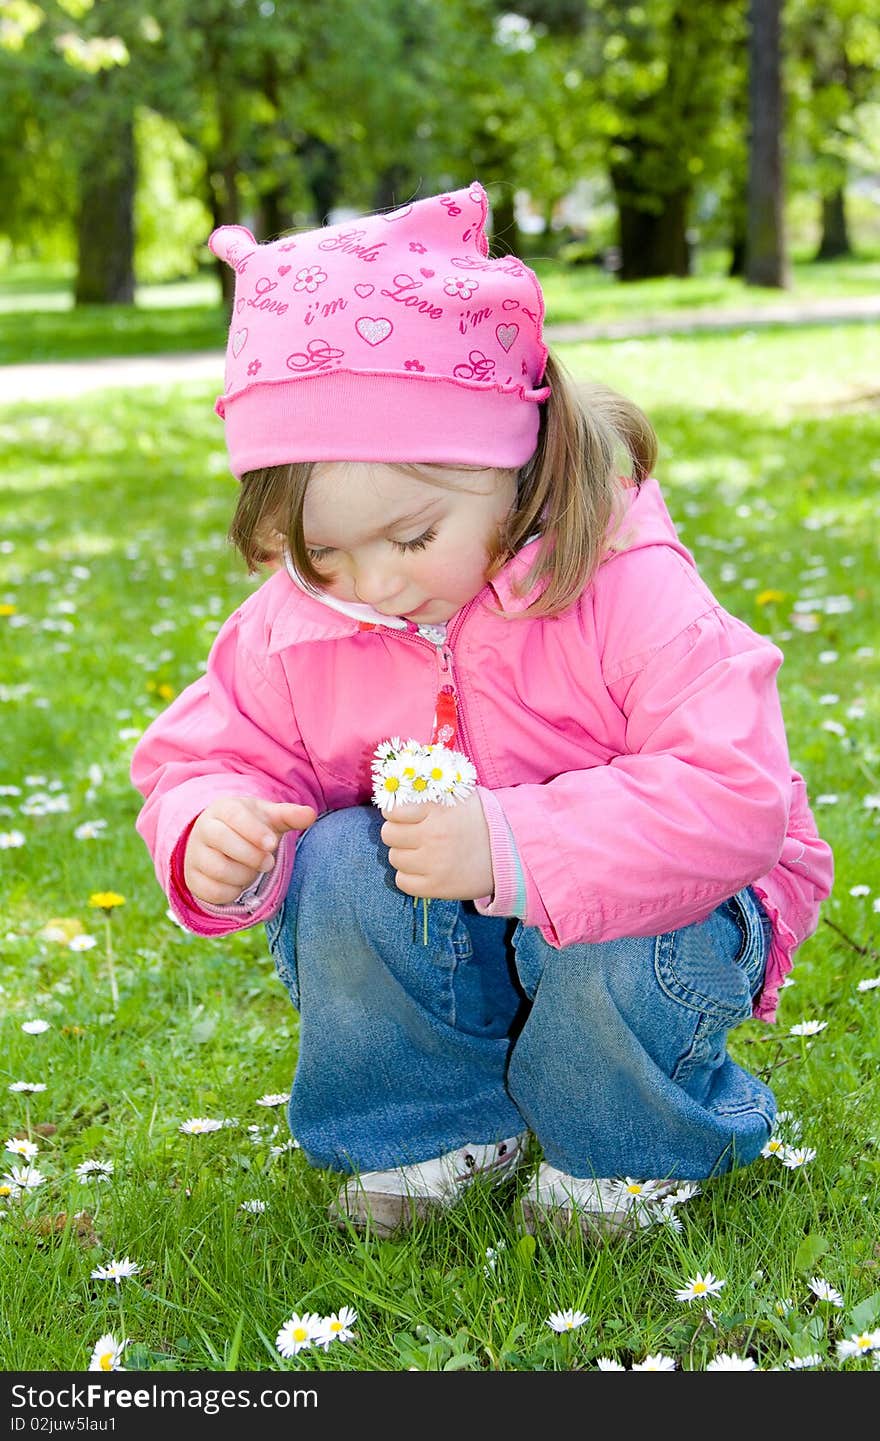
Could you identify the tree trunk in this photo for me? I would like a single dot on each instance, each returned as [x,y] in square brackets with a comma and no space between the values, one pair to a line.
[652,242]
[835,230]
[766,261]
[505,237]
[105,223]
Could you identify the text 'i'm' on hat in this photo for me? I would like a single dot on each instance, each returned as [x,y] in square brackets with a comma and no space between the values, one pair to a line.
[393,337]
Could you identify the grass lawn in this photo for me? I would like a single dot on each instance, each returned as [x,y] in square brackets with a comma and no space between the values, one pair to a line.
[114,577]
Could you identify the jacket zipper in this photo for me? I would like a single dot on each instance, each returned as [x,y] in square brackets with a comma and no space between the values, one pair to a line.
[447,704]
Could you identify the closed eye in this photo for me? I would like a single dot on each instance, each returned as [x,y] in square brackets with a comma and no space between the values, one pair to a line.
[418,543]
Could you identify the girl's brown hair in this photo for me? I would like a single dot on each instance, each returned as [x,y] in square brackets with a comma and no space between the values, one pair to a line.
[593,444]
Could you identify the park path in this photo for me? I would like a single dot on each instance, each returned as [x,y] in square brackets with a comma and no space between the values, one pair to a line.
[69,378]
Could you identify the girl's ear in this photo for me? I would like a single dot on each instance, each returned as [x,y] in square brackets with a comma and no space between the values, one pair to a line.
[232,243]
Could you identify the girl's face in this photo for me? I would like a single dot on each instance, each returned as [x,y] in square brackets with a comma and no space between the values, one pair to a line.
[387,538]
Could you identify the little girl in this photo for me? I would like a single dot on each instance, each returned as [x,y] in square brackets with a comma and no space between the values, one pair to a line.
[462,548]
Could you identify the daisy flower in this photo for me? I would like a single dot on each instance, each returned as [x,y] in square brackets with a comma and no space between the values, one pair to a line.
[607,1363]
[82,943]
[107,1355]
[807,1028]
[730,1361]
[655,1363]
[870,985]
[801,1363]
[116,1270]
[88,1171]
[298,1333]
[274,1098]
[338,1327]
[700,1287]
[797,1156]
[21,1147]
[20,1179]
[35,1028]
[28,1086]
[775,1147]
[860,1343]
[824,1291]
[566,1320]
[255,1207]
[199,1125]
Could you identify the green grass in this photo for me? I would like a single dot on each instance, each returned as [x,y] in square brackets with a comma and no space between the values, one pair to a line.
[114,576]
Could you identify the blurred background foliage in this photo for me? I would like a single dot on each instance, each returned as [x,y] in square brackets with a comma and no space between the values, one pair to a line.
[606,132]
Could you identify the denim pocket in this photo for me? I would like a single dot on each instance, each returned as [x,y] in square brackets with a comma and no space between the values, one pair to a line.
[282,947]
[716,966]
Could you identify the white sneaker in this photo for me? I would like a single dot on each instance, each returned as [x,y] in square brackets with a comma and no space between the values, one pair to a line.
[601,1208]
[389,1201]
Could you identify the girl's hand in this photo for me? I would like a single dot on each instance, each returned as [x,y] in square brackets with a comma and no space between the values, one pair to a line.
[234,841]
[441,852]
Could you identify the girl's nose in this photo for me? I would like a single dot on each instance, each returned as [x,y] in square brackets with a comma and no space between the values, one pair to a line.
[377,585]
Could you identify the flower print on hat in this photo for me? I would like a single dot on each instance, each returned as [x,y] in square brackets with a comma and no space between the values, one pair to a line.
[390,337]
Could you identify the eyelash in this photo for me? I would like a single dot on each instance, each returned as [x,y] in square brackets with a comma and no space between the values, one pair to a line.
[419,543]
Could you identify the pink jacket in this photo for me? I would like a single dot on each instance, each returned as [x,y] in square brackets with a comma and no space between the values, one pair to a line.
[631,752]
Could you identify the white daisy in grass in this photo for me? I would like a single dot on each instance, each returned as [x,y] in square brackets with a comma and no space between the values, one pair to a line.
[607,1363]
[861,1343]
[869,985]
[730,1361]
[807,1028]
[298,1333]
[803,1363]
[860,890]
[35,1028]
[107,1355]
[797,1156]
[291,1144]
[11,840]
[117,1270]
[699,1287]
[338,1327]
[20,1146]
[775,1147]
[82,943]
[89,830]
[21,1179]
[274,1098]
[658,1362]
[256,1208]
[98,1171]
[200,1125]
[32,1086]
[566,1320]
[825,1291]
[685,1192]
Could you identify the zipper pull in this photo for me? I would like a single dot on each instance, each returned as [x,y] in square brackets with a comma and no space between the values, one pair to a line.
[445,729]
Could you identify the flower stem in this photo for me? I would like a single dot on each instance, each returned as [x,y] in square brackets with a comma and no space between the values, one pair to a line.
[111,969]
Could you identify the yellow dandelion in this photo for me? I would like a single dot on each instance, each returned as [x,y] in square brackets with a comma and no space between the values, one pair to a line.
[106,900]
[7,609]
[769,597]
[165,691]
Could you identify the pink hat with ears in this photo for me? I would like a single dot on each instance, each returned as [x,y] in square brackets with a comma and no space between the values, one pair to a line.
[393,337]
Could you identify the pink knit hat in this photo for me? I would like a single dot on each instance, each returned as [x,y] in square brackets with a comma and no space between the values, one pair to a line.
[391,338]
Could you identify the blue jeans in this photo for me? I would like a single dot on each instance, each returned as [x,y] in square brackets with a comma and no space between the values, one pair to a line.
[614,1054]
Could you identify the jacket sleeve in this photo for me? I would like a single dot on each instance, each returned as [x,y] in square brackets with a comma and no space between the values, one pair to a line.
[695,807]
[232,732]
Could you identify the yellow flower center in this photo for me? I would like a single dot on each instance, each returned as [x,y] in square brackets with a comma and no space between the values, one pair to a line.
[300,1333]
[419,783]
[335,1325]
[392,783]
[105,1361]
[699,1287]
[437,774]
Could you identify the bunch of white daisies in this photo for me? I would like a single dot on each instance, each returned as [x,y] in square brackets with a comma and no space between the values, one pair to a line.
[410,773]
